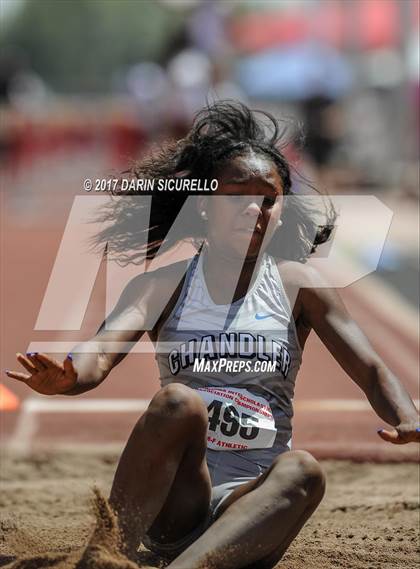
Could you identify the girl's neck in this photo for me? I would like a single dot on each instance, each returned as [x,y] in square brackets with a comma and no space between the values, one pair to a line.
[223,273]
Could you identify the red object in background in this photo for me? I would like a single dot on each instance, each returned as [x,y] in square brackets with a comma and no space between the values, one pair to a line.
[379,23]
[126,143]
[256,32]
[24,139]
[366,24]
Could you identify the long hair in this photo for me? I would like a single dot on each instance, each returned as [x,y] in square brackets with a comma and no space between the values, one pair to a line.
[220,132]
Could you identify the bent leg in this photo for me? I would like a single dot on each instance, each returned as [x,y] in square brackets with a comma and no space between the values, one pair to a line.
[162,484]
[260,519]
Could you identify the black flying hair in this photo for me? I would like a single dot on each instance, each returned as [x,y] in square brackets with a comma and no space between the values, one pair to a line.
[220,132]
[227,129]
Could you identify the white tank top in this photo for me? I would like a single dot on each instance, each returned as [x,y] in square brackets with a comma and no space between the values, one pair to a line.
[256,330]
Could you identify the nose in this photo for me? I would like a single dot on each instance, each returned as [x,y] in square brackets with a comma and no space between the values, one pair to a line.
[253,206]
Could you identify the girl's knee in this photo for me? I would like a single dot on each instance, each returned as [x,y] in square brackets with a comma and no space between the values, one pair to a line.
[306,470]
[177,403]
[311,475]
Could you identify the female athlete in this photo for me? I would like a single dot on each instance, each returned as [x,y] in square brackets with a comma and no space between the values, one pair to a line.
[208,477]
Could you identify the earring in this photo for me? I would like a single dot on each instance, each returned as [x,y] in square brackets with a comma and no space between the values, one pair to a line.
[204,215]
[279,223]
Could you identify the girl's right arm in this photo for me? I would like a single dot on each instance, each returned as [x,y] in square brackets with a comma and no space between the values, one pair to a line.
[90,362]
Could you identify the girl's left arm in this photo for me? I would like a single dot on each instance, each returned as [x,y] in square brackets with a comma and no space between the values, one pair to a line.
[323,310]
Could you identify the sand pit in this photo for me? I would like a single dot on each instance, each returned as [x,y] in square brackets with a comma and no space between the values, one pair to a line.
[368,519]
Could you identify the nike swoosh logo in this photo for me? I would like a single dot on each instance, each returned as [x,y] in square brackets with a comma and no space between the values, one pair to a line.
[263,316]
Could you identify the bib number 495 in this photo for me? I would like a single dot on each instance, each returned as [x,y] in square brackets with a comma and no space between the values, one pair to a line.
[232,421]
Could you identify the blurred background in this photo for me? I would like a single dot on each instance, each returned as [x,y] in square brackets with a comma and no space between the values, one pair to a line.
[87,86]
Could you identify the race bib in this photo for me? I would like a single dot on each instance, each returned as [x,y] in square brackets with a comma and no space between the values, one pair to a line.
[238,420]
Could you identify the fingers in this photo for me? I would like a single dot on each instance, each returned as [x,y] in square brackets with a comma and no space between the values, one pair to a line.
[68,366]
[390,436]
[27,363]
[18,375]
[395,437]
[46,361]
[38,363]
[33,357]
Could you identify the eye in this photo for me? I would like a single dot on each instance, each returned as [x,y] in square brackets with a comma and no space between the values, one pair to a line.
[268,202]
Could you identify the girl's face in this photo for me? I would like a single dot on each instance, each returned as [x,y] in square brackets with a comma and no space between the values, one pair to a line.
[249,195]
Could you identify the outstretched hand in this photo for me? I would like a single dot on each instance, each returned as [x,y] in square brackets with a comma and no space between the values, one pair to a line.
[402,433]
[46,375]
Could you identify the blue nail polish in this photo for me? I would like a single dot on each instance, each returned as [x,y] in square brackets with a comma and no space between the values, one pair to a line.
[380,430]
[418,430]
[69,356]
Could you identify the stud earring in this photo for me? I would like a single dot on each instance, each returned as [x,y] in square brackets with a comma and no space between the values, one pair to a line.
[279,223]
[204,215]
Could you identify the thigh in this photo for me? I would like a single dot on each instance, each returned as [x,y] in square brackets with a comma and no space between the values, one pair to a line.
[287,469]
[291,470]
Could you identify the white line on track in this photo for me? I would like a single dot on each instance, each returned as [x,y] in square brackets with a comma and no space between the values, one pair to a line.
[28,420]
[35,405]
[25,430]
[38,405]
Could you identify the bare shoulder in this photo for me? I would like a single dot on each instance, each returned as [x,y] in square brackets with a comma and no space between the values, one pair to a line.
[309,292]
[142,301]
[316,297]
[149,287]
[300,275]
[160,282]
